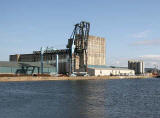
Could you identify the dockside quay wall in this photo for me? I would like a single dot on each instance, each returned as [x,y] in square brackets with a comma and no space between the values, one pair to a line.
[30,78]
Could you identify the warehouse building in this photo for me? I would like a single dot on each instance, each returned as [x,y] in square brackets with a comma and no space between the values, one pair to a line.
[109,71]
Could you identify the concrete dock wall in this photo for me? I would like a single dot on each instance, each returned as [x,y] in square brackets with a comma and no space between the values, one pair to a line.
[30,78]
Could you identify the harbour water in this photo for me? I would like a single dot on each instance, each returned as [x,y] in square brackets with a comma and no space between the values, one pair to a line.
[120,98]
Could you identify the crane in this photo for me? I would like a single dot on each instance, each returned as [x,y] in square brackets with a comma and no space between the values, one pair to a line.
[77,45]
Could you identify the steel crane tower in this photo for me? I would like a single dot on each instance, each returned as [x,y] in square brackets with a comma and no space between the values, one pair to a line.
[77,45]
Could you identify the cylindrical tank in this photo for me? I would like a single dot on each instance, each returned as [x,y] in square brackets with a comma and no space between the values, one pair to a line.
[137,66]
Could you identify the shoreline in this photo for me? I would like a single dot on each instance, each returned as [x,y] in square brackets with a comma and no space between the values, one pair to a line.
[39,78]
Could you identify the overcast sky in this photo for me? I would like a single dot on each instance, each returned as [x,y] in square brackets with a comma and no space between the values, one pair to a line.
[131,27]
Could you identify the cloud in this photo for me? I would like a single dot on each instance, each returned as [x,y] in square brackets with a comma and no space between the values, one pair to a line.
[150,57]
[152,42]
[118,62]
[141,35]
[150,60]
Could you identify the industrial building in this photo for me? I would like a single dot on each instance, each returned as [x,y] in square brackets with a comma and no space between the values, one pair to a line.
[96,55]
[96,51]
[137,66]
[49,57]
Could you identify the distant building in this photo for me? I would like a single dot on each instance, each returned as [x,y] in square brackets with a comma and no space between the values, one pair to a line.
[138,66]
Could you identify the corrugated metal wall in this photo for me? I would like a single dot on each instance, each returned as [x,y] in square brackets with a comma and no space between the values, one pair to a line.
[14,69]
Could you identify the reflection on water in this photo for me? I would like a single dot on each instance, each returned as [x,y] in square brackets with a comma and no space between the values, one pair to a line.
[81,99]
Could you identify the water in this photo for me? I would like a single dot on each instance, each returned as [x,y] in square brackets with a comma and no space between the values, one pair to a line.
[136,98]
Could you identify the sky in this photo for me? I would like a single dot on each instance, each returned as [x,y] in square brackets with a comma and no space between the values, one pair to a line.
[131,27]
